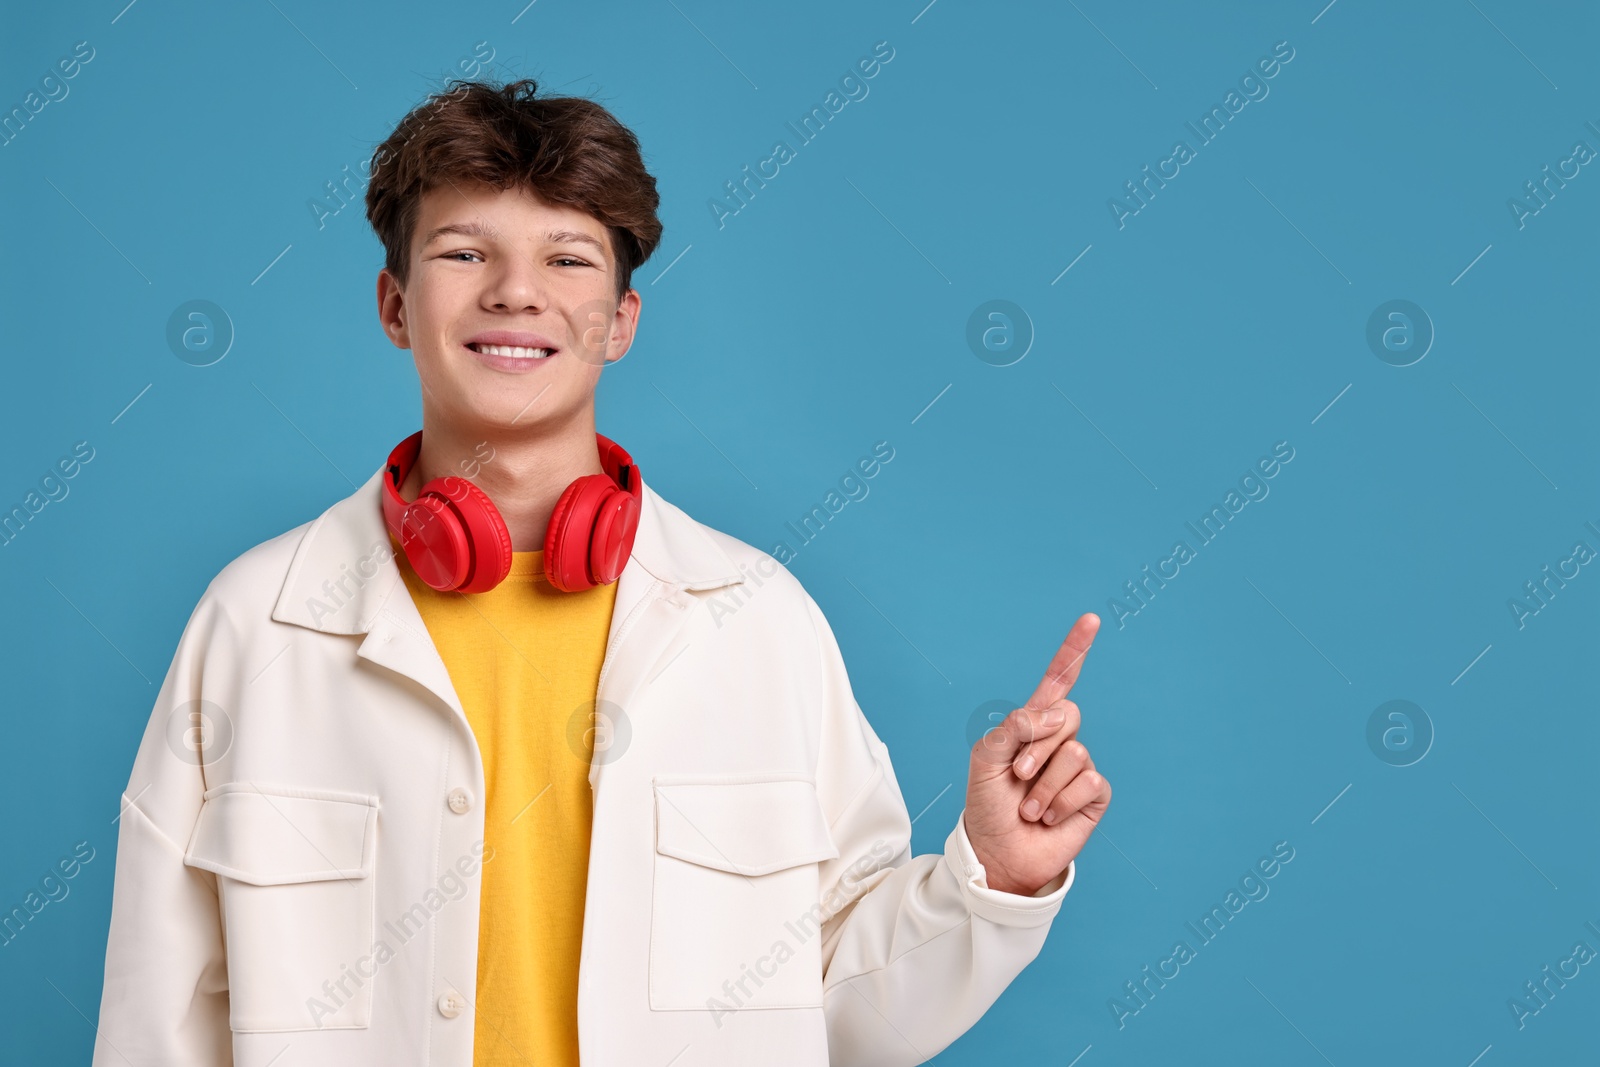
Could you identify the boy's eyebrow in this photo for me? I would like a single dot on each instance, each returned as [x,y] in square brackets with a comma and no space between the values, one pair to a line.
[564,236]
[477,228]
[474,228]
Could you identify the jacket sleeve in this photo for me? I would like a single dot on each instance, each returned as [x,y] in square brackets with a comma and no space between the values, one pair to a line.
[165,999]
[915,948]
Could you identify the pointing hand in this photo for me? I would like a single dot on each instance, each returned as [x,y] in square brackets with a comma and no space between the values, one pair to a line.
[1033,794]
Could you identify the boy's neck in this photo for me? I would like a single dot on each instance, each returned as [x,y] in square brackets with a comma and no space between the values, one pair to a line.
[523,475]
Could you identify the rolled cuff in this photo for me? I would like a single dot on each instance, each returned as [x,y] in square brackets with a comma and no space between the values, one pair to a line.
[1007,909]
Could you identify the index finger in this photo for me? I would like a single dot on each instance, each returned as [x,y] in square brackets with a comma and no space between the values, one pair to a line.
[1068,660]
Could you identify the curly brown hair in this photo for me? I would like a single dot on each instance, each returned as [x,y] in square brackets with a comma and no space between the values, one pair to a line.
[568,150]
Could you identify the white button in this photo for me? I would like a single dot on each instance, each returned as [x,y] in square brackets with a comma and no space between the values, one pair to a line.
[451,1004]
[459,800]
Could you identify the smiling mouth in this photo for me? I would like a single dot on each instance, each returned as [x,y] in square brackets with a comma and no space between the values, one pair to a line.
[511,351]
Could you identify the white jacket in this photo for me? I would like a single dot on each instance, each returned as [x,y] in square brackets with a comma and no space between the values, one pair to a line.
[300,841]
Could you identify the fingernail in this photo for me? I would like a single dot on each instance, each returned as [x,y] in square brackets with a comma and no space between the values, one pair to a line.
[1050,817]
[1030,809]
[1025,766]
[1055,717]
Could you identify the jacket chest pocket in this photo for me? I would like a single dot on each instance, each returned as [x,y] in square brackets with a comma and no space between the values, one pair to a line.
[735,918]
[295,877]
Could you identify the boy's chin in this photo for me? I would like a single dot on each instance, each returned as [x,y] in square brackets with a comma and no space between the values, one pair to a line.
[514,411]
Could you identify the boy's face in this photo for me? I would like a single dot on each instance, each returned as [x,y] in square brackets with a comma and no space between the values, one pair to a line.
[493,274]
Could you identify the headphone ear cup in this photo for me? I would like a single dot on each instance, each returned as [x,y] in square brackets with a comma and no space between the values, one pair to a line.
[570,533]
[486,554]
[612,542]
[434,541]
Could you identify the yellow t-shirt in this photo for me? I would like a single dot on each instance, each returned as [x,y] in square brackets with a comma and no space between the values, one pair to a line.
[525,660]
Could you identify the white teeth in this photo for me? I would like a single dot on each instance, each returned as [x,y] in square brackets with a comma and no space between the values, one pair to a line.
[514,351]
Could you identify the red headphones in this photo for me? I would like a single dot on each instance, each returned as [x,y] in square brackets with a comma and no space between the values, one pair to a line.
[455,539]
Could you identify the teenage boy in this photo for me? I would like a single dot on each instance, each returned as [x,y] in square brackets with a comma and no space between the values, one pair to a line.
[467,771]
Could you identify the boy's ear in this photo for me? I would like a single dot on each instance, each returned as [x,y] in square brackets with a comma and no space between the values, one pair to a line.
[391,309]
[624,331]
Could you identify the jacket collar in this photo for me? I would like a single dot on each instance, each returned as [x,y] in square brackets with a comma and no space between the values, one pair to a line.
[344,572]
[345,579]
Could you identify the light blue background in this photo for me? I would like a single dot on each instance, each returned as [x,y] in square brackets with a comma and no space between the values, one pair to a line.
[825,317]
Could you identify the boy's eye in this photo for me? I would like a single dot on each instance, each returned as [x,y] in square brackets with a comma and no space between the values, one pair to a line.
[453,255]
[570,259]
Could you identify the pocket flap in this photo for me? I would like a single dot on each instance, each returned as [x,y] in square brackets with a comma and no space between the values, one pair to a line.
[273,836]
[741,825]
